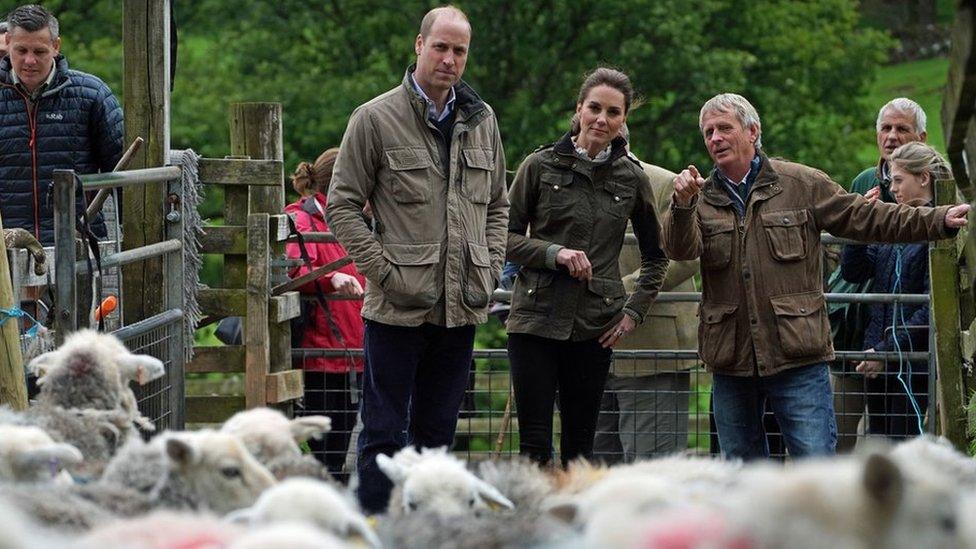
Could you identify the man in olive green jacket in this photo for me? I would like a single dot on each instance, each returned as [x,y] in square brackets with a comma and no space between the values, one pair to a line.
[644,412]
[755,223]
[428,158]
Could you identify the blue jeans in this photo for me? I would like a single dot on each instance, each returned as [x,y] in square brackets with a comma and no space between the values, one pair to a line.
[413,383]
[801,400]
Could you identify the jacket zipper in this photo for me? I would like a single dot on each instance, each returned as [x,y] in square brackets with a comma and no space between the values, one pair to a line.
[32,145]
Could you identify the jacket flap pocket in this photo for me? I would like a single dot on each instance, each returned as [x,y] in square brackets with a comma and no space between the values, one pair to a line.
[481,159]
[556,179]
[801,304]
[605,287]
[713,313]
[791,218]
[408,158]
[717,226]
[412,254]
[479,254]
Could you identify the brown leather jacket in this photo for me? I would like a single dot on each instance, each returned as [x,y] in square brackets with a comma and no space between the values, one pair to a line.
[763,308]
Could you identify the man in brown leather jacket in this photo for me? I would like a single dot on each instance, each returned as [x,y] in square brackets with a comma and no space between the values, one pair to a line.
[763,328]
[428,157]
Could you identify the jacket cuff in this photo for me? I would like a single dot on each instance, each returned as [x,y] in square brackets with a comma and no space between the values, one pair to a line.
[690,207]
[551,252]
[637,317]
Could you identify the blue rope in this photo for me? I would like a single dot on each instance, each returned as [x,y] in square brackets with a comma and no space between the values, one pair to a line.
[899,313]
[17,312]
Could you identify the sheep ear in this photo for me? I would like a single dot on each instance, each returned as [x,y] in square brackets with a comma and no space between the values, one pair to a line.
[306,427]
[61,453]
[41,364]
[393,470]
[565,510]
[141,368]
[491,495]
[358,528]
[241,516]
[181,452]
[883,481]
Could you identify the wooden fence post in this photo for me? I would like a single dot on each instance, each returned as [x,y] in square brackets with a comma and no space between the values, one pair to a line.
[944,283]
[13,386]
[146,43]
[256,336]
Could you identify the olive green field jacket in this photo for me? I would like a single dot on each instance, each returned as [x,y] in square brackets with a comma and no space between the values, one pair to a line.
[438,236]
[560,200]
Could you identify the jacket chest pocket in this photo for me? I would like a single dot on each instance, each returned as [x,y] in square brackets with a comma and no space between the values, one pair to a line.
[786,233]
[410,174]
[717,243]
[556,190]
[479,164]
[802,324]
[717,334]
[617,200]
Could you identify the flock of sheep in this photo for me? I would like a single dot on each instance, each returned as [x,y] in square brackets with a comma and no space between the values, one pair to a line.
[75,472]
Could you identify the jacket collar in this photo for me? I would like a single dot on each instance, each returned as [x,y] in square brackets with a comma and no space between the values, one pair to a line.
[763,187]
[60,80]
[309,207]
[468,105]
[565,151]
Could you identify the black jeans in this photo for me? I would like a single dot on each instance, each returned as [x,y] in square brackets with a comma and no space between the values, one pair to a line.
[331,395]
[414,381]
[578,370]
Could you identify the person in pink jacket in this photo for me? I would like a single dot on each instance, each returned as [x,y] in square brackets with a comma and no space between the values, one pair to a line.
[331,384]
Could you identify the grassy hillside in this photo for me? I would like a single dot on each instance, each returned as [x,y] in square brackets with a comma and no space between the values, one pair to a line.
[922,81]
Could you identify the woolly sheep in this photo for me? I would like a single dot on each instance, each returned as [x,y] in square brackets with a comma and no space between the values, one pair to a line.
[163,529]
[28,454]
[293,535]
[274,440]
[22,532]
[205,470]
[438,482]
[929,455]
[312,502]
[845,502]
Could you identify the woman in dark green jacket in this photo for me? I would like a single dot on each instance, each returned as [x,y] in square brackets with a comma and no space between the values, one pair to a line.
[569,308]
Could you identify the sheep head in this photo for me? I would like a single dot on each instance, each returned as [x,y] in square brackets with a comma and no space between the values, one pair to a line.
[29,454]
[435,481]
[269,435]
[217,467]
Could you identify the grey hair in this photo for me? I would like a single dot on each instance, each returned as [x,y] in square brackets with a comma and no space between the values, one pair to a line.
[917,158]
[32,18]
[737,105]
[3,27]
[907,106]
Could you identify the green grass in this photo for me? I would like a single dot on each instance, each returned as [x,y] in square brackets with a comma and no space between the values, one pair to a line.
[922,81]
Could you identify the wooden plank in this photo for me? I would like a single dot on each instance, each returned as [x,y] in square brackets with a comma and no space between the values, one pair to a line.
[257,355]
[212,409]
[222,301]
[66,314]
[285,307]
[146,85]
[314,274]
[279,227]
[224,239]
[241,172]
[255,131]
[945,317]
[285,386]
[960,89]
[228,359]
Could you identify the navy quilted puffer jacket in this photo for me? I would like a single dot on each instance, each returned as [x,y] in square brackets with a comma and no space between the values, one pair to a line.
[860,263]
[75,124]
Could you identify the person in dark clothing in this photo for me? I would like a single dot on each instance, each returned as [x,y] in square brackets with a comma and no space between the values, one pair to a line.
[51,117]
[569,306]
[899,397]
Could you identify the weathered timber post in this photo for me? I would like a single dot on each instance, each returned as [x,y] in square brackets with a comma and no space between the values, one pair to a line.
[944,283]
[13,386]
[255,131]
[146,42]
[66,312]
[256,334]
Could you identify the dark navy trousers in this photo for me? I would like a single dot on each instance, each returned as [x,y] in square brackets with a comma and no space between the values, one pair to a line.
[413,384]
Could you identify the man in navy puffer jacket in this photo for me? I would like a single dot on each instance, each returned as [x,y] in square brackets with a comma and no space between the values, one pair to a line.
[51,118]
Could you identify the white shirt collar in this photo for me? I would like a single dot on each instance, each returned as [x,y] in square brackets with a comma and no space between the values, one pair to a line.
[431,106]
[47,81]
